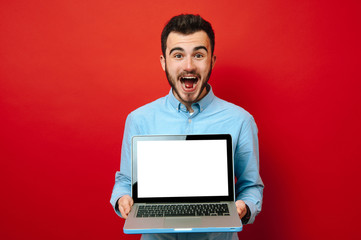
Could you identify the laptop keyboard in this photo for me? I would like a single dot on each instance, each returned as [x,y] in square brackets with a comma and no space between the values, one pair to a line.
[186,210]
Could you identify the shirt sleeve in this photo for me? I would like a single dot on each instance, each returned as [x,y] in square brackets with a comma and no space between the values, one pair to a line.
[122,184]
[249,185]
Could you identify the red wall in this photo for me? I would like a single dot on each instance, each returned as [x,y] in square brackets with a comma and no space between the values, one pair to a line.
[71,71]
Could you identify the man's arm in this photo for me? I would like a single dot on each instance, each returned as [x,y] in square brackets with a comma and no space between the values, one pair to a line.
[122,186]
[249,186]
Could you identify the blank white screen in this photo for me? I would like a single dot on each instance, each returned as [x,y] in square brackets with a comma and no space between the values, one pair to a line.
[182,168]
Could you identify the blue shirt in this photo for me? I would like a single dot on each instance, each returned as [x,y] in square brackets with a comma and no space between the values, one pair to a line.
[211,115]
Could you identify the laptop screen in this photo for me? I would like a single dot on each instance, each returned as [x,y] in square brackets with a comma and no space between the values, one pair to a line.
[178,167]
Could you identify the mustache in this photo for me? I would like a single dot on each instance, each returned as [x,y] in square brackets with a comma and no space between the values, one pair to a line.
[187,73]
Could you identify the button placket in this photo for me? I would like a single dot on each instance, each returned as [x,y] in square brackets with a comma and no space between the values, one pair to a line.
[189,124]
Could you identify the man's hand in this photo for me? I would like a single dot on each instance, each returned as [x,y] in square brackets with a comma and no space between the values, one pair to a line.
[125,204]
[241,208]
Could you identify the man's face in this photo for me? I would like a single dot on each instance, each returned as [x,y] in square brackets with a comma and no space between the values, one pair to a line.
[188,63]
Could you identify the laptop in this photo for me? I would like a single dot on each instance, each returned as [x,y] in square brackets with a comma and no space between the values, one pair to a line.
[182,184]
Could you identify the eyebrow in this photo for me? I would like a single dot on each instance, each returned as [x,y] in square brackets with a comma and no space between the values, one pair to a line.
[176,49]
[182,50]
[200,47]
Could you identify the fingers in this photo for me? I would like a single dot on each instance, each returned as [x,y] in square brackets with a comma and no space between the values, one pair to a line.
[125,204]
[241,208]
[124,212]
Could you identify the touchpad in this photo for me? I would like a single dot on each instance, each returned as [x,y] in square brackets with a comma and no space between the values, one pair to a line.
[182,222]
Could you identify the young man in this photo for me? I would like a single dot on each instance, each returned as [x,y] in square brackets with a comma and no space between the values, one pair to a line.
[192,108]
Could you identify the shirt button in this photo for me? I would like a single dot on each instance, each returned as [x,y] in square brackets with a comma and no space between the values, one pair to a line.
[189,120]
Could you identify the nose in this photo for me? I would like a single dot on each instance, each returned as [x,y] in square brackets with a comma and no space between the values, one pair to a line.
[189,64]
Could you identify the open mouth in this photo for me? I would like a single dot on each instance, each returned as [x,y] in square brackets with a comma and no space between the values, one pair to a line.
[189,82]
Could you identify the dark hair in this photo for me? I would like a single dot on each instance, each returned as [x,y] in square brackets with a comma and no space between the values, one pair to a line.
[186,24]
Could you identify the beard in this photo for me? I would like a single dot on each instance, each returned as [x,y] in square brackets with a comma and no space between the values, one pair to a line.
[172,82]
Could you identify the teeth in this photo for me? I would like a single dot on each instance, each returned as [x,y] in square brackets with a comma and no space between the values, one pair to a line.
[189,78]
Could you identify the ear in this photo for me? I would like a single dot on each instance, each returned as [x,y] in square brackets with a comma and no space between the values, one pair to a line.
[162,62]
[214,58]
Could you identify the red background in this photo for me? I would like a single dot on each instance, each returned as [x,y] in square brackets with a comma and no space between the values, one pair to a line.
[71,71]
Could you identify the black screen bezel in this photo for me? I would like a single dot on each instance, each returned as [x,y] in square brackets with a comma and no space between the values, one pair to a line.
[230,172]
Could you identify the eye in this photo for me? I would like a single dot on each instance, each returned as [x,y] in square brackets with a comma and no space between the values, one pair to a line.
[198,55]
[178,55]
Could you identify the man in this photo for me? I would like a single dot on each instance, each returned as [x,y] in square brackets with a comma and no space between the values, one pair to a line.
[191,108]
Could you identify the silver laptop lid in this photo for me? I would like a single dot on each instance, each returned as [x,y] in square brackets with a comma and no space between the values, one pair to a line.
[182,168]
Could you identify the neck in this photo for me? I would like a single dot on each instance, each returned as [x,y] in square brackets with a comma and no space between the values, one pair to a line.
[189,104]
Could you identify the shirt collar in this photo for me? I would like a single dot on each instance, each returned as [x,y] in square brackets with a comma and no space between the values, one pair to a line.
[203,103]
